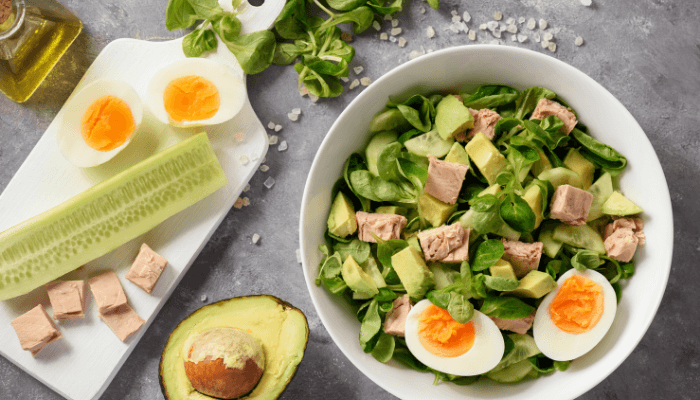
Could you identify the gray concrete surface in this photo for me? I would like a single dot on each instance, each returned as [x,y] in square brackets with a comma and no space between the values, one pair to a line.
[646,52]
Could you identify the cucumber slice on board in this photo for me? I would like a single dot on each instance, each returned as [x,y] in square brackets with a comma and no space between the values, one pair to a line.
[107,215]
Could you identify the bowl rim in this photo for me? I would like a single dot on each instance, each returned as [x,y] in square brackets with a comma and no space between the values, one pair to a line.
[664,197]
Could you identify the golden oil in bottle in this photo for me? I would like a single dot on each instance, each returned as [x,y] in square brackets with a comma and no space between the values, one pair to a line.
[32,39]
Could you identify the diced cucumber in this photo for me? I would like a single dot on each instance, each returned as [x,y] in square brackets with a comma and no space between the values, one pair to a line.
[561,176]
[107,215]
[375,147]
[429,143]
[550,246]
[582,236]
[601,190]
[617,204]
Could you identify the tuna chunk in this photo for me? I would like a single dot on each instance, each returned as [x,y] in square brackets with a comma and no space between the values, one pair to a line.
[571,205]
[524,257]
[520,325]
[485,122]
[107,291]
[146,269]
[385,226]
[622,237]
[547,107]
[637,226]
[395,323]
[68,299]
[123,321]
[445,180]
[448,243]
[35,329]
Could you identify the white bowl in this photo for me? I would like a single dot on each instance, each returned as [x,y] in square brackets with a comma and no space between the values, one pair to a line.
[608,120]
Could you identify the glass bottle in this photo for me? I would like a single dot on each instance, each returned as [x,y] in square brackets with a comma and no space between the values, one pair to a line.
[32,40]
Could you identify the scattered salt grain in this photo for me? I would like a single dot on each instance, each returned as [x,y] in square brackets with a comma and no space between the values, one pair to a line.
[466,17]
[392,39]
[537,37]
[472,34]
[346,37]
[246,201]
[421,10]
[298,252]
[548,36]
[376,26]
[355,83]
[521,20]
[283,146]
[271,125]
[512,28]
[388,17]
[456,18]
[402,42]
[510,21]
[345,79]
[498,15]
[293,117]
[522,38]
[383,36]
[264,168]
[269,182]
[491,25]
[395,31]
[394,23]
[544,44]
[454,28]
[514,38]
[430,32]
[278,128]
[273,139]
[578,41]
[497,32]
[244,160]
[531,24]
[414,54]
[586,3]
[246,188]
[358,70]
[366,81]
[552,47]
[203,298]
[543,24]
[454,12]
[256,238]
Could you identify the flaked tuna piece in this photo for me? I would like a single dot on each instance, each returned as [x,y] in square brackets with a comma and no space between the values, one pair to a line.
[571,205]
[636,224]
[35,329]
[146,269]
[107,292]
[448,243]
[385,226]
[123,321]
[68,299]
[395,323]
[524,257]
[520,325]
[547,107]
[622,237]
[485,122]
[445,179]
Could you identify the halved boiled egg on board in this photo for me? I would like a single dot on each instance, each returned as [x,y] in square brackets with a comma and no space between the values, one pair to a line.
[99,122]
[574,317]
[445,345]
[195,92]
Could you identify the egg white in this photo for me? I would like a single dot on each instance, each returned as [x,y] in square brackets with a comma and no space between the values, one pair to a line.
[70,138]
[482,357]
[232,91]
[562,346]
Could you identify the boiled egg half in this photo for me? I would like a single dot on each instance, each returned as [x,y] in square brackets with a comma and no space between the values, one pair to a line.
[445,345]
[574,317]
[195,92]
[99,122]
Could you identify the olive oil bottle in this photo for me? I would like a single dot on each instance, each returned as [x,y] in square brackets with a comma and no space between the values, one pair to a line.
[34,34]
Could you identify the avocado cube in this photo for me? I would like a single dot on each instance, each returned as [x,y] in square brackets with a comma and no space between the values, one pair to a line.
[533,197]
[503,269]
[486,156]
[617,204]
[372,269]
[579,164]
[457,154]
[391,210]
[412,271]
[435,211]
[356,278]
[451,116]
[341,220]
[535,284]
[541,165]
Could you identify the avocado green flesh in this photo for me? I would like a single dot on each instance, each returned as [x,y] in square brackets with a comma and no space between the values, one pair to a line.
[412,271]
[617,204]
[579,164]
[281,329]
[356,278]
[535,284]
[341,220]
[457,155]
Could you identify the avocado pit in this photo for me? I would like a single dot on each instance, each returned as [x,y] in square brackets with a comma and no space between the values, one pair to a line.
[225,363]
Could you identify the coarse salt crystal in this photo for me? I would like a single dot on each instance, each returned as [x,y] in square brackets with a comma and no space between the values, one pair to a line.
[521,20]
[293,117]
[394,23]
[498,15]
[544,44]
[358,70]
[273,139]
[298,252]
[283,146]
[402,42]
[388,17]
[203,298]
[456,18]
[414,54]
[355,83]
[497,32]
[531,23]
[345,79]
[278,128]
[365,81]
[454,28]
[510,21]
[466,17]
[537,37]
[552,47]
[522,38]
[483,27]
[421,10]
[578,41]
[512,28]
[548,36]
[246,188]
[586,3]
[392,39]
[543,24]
[430,32]
[454,12]
[264,168]
[514,38]
[269,182]
[492,25]
[256,238]
[472,34]
[244,160]
[463,27]
[271,125]
[376,26]
[395,31]
[383,36]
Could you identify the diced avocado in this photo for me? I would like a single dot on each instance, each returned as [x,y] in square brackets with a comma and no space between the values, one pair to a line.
[391,210]
[533,197]
[341,219]
[412,271]
[535,285]
[435,211]
[451,116]
[486,157]
[503,269]
[372,269]
[561,176]
[389,120]
[617,204]
[356,278]
[413,241]
[375,147]
[429,143]
[550,246]
[457,155]
[579,164]
[582,236]
[601,190]
[444,276]
[541,165]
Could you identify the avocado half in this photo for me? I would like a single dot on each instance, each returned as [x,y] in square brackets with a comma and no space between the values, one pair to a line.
[281,328]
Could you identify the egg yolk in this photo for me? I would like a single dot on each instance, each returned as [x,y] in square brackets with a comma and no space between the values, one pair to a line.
[443,336]
[107,123]
[578,305]
[191,98]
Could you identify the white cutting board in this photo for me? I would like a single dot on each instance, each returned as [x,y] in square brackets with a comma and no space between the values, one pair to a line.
[82,364]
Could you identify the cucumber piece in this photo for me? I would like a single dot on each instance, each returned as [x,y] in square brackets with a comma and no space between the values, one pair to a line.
[107,215]
[617,204]
[582,236]
[550,246]
[512,373]
[429,143]
[375,147]
[561,176]
[601,190]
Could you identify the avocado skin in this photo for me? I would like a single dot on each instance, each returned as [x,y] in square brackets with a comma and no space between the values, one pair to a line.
[287,306]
